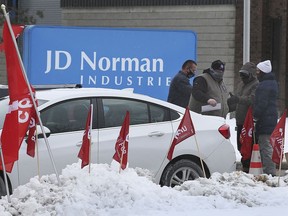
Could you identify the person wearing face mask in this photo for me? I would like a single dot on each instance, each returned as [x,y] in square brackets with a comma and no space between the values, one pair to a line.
[209,89]
[180,87]
[242,100]
[265,113]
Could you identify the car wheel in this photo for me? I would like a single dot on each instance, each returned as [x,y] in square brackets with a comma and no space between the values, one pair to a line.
[3,191]
[181,171]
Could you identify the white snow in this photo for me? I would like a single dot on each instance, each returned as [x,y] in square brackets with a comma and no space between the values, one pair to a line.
[104,191]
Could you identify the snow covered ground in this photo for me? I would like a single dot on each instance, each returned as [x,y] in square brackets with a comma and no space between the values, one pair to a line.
[106,192]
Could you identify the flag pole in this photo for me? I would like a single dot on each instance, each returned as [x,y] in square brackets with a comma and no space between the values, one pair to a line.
[280,164]
[121,159]
[3,7]
[4,173]
[90,132]
[201,161]
[37,153]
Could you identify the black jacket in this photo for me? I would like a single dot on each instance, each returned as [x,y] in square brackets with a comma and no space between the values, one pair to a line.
[265,104]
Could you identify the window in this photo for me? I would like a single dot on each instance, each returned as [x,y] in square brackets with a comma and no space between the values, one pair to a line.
[115,111]
[174,115]
[66,116]
[159,114]
[140,112]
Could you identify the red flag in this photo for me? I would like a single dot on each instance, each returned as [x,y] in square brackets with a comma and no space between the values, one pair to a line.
[121,146]
[185,130]
[246,135]
[84,153]
[277,139]
[17,85]
[31,140]
[17,29]
[18,117]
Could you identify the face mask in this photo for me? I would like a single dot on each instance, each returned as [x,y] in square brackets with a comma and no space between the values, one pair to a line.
[260,76]
[245,78]
[190,73]
[217,75]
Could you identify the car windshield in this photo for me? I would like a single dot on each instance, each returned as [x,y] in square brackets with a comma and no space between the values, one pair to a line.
[4,108]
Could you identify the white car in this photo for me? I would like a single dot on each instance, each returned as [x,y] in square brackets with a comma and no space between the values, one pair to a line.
[152,127]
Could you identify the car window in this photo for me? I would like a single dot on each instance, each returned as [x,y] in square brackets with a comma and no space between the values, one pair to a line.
[115,111]
[140,112]
[174,115]
[66,116]
[159,113]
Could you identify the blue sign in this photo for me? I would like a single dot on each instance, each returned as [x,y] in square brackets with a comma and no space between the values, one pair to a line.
[143,59]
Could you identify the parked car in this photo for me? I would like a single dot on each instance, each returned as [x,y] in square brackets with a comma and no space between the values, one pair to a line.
[152,127]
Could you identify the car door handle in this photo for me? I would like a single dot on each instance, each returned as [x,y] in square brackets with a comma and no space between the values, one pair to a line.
[79,144]
[156,134]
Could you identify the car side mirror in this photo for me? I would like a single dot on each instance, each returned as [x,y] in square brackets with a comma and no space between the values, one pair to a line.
[40,133]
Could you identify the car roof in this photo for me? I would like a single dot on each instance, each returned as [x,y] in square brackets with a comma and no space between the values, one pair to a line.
[65,93]
[52,94]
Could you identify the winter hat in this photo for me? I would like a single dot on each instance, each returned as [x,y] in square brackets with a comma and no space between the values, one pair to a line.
[218,65]
[248,68]
[265,66]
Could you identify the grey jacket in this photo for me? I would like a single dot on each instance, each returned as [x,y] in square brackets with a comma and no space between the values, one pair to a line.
[215,90]
[246,94]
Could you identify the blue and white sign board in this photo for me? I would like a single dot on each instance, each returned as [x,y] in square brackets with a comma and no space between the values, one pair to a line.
[143,59]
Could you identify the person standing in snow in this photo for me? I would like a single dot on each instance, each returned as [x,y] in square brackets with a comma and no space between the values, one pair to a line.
[265,113]
[242,100]
[180,87]
[209,89]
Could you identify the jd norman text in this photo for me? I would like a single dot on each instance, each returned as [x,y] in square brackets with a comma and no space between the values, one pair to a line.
[63,60]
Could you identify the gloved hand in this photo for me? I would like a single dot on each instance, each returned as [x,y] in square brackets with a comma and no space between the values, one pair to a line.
[233,98]
[232,102]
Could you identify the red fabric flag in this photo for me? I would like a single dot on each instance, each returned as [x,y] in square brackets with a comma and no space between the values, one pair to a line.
[19,113]
[84,153]
[31,140]
[277,139]
[17,29]
[121,146]
[185,130]
[246,135]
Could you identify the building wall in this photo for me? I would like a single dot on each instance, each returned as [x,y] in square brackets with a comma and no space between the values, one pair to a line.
[52,16]
[218,23]
[268,40]
[50,8]
[214,25]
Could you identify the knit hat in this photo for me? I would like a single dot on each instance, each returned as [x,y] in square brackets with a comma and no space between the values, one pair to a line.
[218,65]
[265,66]
[248,68]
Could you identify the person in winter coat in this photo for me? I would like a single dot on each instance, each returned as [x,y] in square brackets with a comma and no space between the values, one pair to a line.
[265,113]
[209,89]
[242,100]
[180,87]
